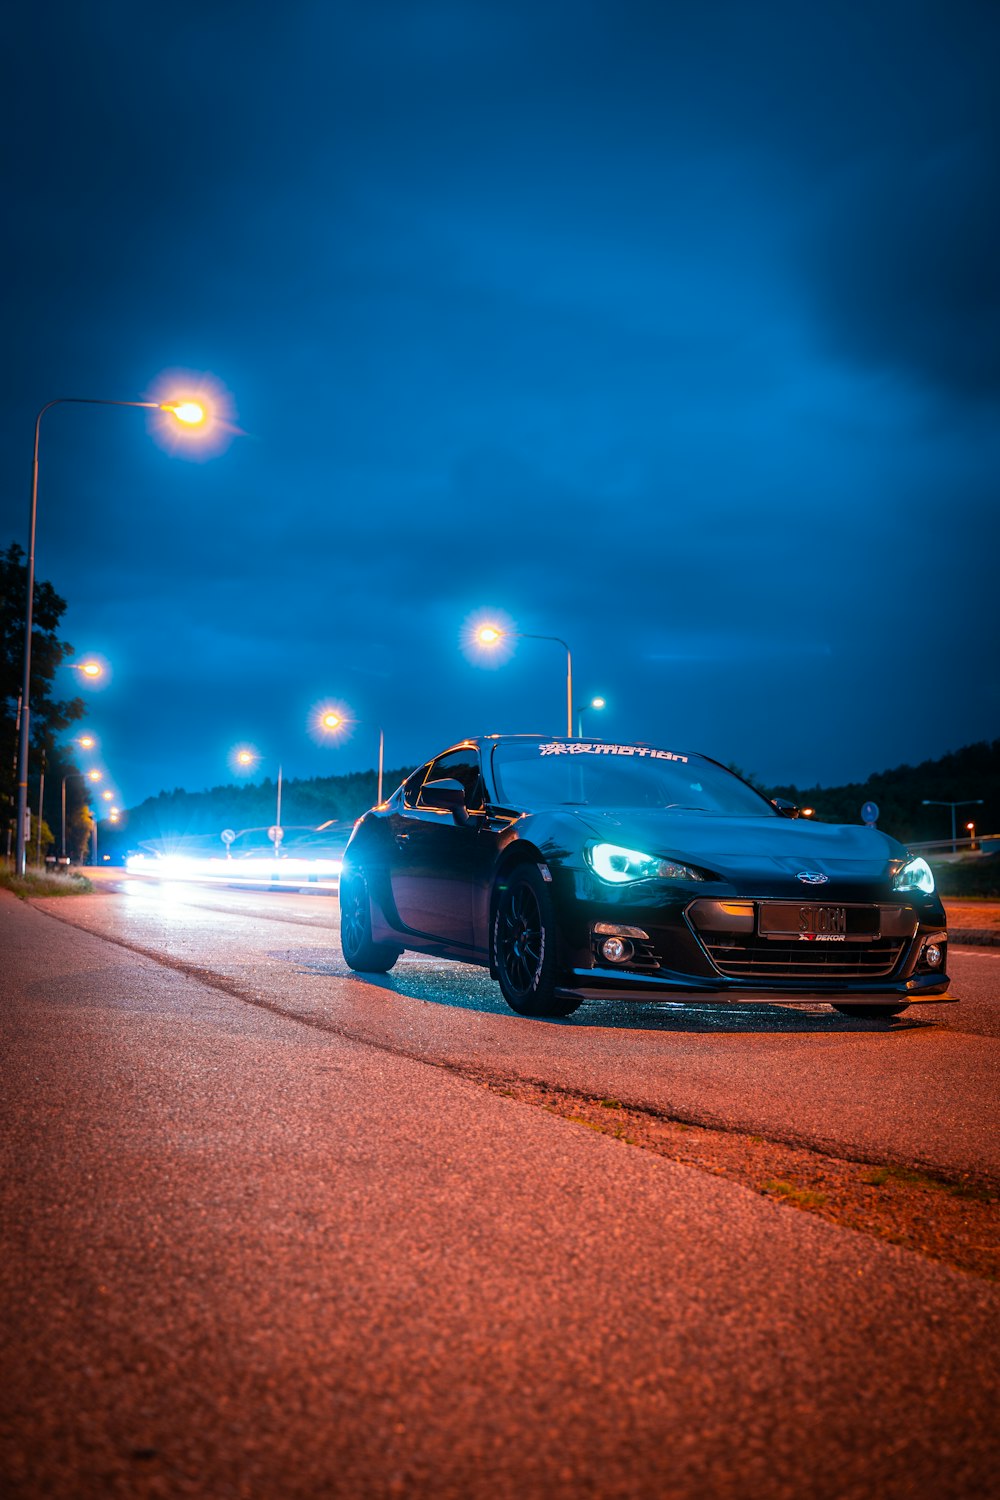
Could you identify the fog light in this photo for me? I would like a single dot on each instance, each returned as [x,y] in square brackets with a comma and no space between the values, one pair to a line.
[932,954]
[616,950]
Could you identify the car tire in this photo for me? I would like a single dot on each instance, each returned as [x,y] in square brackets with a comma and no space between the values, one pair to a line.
[360,951]
[524,946]
[871,1012]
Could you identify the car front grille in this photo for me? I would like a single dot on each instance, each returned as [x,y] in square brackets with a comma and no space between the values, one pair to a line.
[741,955]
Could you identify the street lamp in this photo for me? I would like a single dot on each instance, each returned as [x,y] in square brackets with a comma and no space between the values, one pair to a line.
[969,802]
[91,669]
[332,721]
[249,760]
[184,411]
[492,635]
[92,776]
[594,703]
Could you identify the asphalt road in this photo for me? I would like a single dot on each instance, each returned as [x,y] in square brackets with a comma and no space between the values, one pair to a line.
[919,1090]
[260,1236]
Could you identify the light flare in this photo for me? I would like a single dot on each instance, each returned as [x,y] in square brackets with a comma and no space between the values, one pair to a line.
[190,412]
[195,416]
[93,672]
[330,721]
[488,638]
[321,874]
[243,759]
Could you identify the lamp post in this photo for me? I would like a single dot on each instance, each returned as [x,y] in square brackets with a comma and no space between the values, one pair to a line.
[969,802]
[492,635]
[330,722]
[594,703]
[189,412]
[41,807]
[79,776]
[249,760]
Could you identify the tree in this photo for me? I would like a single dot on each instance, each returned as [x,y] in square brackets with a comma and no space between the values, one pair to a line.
[50,716]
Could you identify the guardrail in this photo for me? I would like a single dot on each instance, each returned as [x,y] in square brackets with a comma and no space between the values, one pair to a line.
[983,843]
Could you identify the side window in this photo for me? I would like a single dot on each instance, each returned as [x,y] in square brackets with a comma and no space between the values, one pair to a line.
[412,785]
[463,766]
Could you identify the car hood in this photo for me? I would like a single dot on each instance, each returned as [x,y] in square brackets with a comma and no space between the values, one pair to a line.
[741,845]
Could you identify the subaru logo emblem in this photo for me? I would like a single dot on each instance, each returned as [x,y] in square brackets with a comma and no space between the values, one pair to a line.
[812,877]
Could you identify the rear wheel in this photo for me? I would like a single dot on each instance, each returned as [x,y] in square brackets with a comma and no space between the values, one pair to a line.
[871,1012]
[524,945]
[360,951]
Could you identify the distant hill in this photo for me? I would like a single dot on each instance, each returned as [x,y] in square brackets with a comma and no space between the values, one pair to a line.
[962,776]
[305,803]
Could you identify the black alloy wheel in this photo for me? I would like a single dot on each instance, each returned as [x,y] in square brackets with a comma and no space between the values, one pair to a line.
[524,947]
[360,951]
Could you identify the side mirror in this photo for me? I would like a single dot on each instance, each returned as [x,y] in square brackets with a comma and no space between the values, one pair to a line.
[447,795]
[784,807]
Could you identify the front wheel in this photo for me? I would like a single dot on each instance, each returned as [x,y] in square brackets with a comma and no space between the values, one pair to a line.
[360,950]
[871,1012]
[524,945]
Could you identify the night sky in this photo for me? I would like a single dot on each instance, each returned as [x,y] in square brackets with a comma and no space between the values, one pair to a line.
[672,330]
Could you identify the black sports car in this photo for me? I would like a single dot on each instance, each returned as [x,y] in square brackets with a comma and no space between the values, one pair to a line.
[580,869]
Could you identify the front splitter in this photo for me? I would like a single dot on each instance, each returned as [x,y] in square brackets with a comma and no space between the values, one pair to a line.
[751,997]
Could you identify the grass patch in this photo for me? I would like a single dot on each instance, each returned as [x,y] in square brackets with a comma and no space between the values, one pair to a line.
[775,1187]
[32,884]
[906,1177]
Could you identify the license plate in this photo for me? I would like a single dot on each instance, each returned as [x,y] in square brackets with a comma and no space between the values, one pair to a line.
[790,919]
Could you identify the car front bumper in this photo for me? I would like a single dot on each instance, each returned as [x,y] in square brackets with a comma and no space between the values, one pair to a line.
[681,948]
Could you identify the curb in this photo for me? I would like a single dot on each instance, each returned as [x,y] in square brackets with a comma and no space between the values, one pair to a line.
[975,937]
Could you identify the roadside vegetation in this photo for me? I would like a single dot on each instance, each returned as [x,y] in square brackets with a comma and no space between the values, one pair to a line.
[976,878]
[970,776]
[42,883]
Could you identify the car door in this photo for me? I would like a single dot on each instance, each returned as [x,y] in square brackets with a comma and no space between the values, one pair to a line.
[436,860]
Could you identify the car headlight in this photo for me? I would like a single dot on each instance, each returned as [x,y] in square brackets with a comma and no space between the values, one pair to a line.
[617,865]
[915,875]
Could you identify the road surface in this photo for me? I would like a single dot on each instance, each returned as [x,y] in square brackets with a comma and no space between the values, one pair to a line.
[271,1229]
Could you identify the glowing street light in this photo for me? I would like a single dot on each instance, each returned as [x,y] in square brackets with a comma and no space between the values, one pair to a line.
[594,703]
[92,669]
[108,795]
[332,721]
[192,413]
[182,408]
[85,741]
[92,776]
[492,635]
[246,759]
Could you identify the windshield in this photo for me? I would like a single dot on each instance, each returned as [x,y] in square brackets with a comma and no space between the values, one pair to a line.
[591,774]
